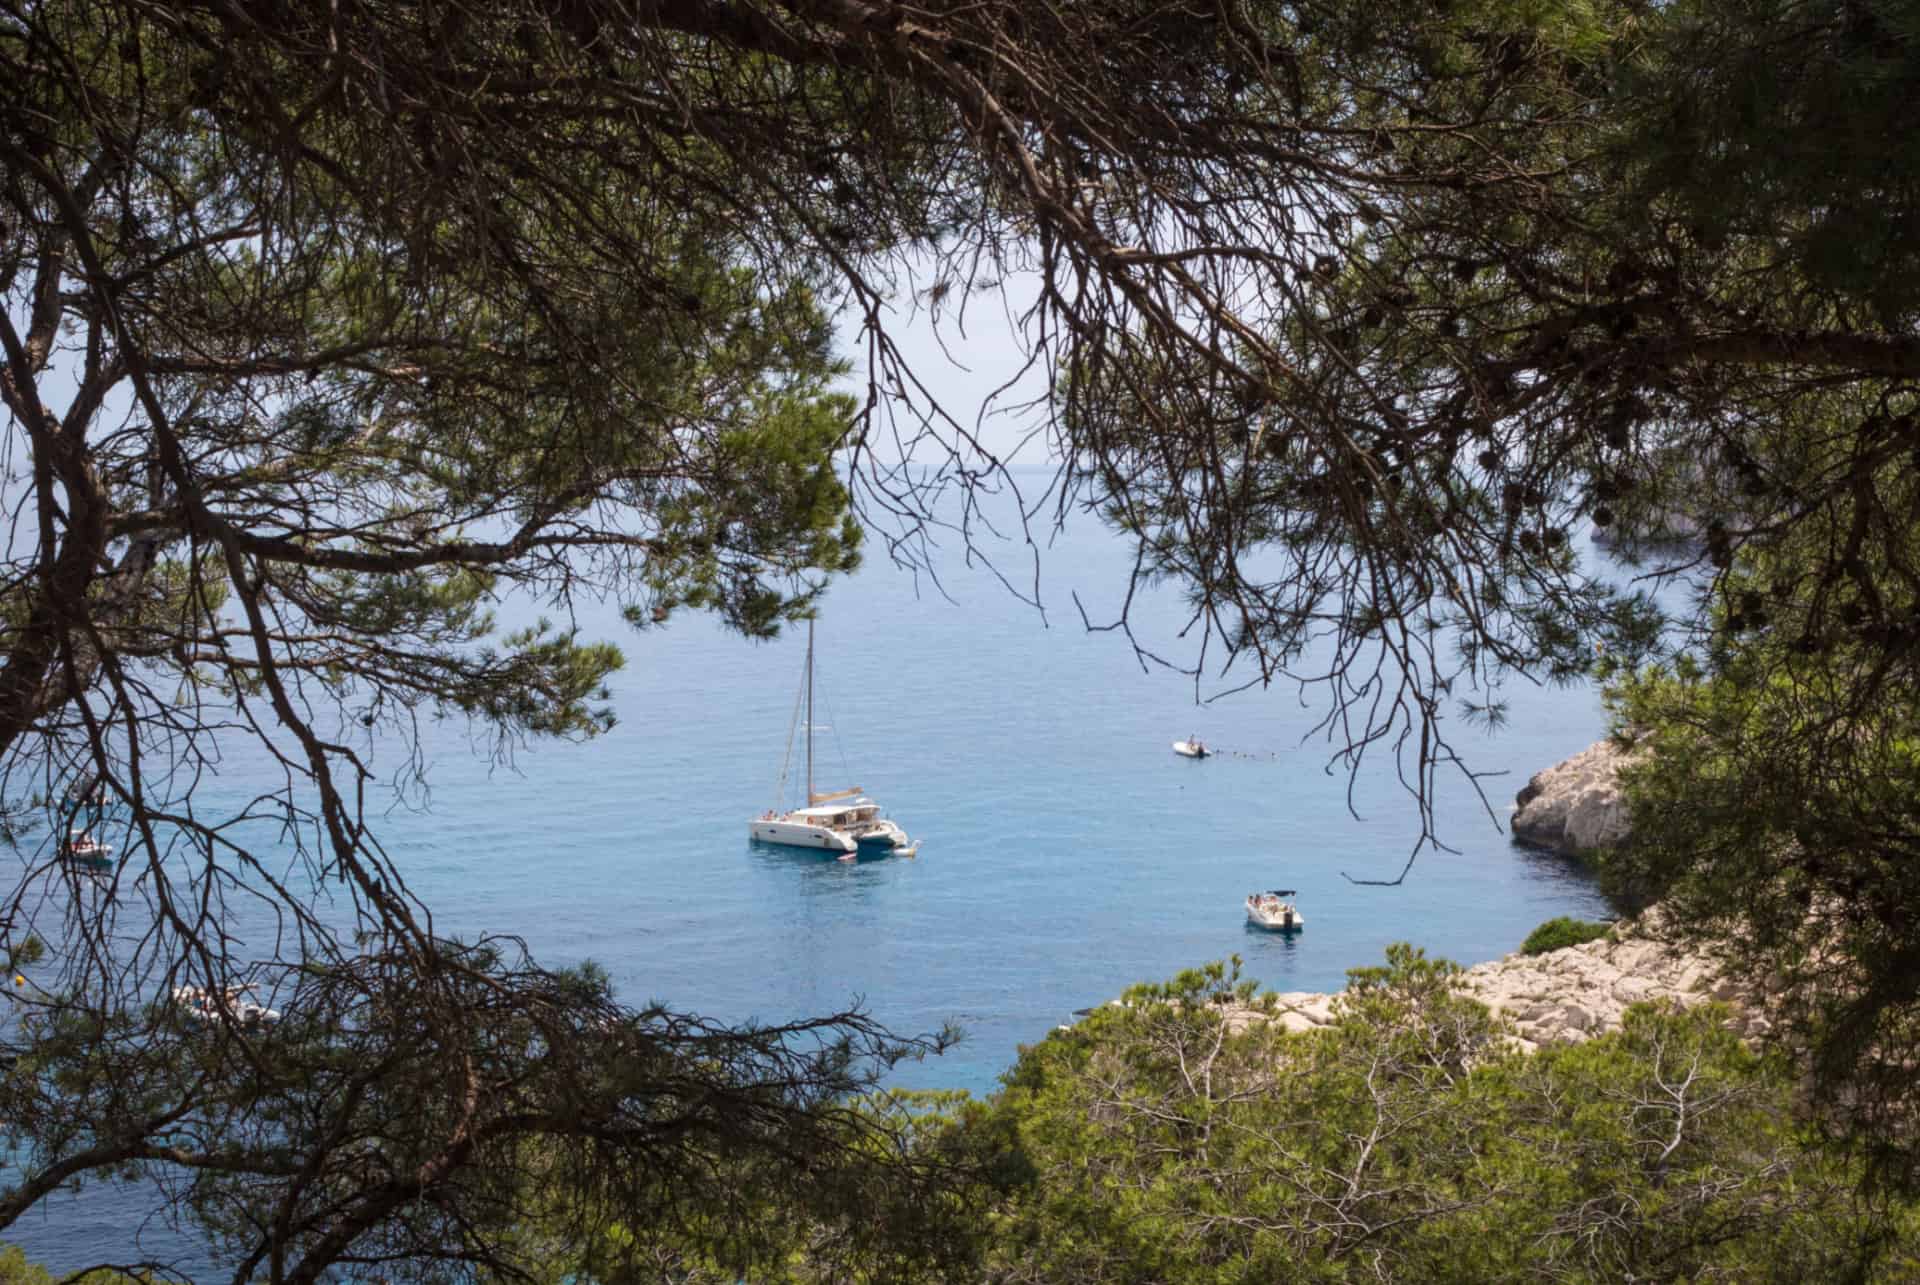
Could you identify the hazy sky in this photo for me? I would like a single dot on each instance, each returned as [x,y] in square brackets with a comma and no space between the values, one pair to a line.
[962,351]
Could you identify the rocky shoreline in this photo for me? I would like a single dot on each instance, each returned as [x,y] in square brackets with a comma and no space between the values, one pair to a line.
[1573,994]
[1570,995]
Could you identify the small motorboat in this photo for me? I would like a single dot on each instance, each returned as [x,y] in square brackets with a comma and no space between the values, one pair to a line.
[203,1004]
[881,833]
[1273,911]
[83,849]
[1193,749]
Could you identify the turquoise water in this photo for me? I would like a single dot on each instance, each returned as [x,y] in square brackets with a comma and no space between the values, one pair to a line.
[1067,853]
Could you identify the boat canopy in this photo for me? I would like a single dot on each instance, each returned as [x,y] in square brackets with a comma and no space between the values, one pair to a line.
[1278,892]
[848,811]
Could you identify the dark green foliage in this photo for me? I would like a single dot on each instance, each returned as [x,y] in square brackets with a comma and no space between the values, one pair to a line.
[1594,262]
[1797,121]
[1775,786]
[376,1120]
[1795,855]
[341,352]
[329,327]
[1558,934]
[1173,1141]
[16,1269]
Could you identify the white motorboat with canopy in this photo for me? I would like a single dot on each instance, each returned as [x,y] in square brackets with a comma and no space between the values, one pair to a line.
[205,1004]
[838,821]
[1274,911]
[83,849]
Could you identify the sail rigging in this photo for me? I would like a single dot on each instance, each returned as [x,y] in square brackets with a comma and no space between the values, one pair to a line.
[842,820]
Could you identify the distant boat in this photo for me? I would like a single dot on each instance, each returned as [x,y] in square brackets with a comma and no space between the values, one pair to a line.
[87,791]
[838,821]
[1271,910]
[203,1004]
[1193,749]
[83,849]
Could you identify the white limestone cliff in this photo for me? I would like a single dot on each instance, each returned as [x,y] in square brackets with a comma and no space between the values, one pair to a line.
[1573,994]
[1575,806]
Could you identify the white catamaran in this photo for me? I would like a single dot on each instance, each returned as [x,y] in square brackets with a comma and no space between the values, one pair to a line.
[838,821]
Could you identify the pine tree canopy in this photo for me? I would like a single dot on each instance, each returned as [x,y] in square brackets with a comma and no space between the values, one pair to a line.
[327,327]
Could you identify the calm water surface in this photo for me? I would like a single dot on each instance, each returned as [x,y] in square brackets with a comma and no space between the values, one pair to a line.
[1067,853]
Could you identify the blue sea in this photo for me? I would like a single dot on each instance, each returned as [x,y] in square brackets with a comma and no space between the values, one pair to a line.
[1066,851]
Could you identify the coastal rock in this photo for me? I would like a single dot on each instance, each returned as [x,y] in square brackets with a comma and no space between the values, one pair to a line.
[1304,1010]
[1571,995]
[1574,994]
[1631,990]
[1576,805]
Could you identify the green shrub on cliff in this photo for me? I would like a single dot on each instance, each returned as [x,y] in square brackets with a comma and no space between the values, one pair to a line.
[17,1269]
[1173,1140]
[1775,791]
[1561,932]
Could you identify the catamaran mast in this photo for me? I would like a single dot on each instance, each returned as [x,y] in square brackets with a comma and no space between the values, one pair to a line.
[809,711]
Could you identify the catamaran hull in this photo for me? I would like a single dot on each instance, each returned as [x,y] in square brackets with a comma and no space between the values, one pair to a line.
[792,834]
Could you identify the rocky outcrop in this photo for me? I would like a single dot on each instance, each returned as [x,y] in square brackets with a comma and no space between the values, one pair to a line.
[1575,806]
[1567,996]
[1570,995]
